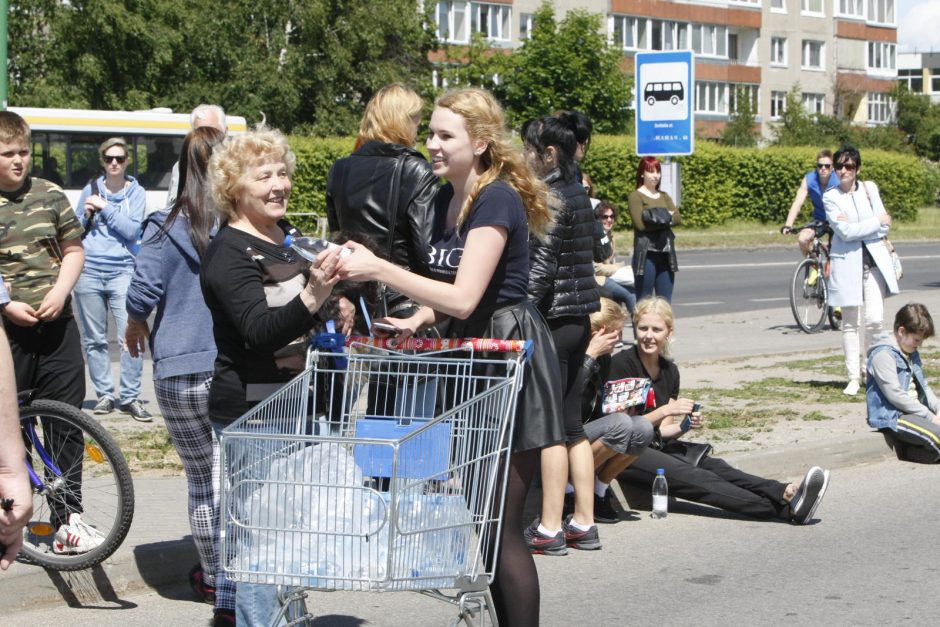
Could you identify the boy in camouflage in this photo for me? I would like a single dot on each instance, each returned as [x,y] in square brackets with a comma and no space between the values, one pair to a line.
[41,257]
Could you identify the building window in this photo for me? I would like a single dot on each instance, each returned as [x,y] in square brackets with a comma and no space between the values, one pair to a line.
[881,11]
[813,54]
[778,6]
[935,80]
[623,31]
[491,20]
[710,40]
[778,104]
[778,51]
[812,7]
[913,79]
[814,103]
[526,24]
[711,97]
[881,55]
[736,94]
[852,8]
[880,108]
[452,22]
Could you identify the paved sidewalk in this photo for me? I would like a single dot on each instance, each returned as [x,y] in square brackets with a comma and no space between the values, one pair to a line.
[159,551]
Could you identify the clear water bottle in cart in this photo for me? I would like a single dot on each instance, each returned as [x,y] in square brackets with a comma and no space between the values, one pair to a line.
[310,247]
[660,494]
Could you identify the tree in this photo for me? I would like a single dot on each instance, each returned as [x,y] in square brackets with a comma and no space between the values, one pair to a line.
[566,65]
[307,65]
[919,120]
[740,129]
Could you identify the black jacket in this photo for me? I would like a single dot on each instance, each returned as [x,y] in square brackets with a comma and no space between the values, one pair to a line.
[358,193]
[561,274]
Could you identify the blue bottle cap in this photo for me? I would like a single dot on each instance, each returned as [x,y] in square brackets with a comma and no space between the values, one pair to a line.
[288,240]
[660,471]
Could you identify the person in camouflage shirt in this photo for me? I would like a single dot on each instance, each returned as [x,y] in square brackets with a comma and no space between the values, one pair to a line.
[41,258]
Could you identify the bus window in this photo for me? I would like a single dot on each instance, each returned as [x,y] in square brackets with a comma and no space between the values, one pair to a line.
[84,163]
[155,158]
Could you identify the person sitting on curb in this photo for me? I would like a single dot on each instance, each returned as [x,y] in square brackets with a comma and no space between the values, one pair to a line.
[693,474]
[618,438]
[900,402]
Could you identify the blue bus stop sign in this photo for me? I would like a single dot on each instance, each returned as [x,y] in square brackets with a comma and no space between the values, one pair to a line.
[665,97]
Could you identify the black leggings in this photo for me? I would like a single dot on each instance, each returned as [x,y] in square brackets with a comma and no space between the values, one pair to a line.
[515,588]
[571,334]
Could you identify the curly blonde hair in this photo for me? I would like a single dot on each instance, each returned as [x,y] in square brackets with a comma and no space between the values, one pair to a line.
[230,162]
[485,121]
[388,116]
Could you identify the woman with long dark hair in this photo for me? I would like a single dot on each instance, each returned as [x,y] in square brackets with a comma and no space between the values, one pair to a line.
[654,244]
[166,280]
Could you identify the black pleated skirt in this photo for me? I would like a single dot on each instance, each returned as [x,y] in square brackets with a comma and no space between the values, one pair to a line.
[539,420]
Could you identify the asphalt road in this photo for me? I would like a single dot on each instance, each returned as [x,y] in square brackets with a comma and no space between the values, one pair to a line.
[727,281]
[867,559]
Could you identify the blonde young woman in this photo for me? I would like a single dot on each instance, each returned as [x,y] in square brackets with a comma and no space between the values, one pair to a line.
[385,189]
[477,277]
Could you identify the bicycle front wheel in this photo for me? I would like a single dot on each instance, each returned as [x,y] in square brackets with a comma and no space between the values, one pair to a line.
[808,296]
[83,494]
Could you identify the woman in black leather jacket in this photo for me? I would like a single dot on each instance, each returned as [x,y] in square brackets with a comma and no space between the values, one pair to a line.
[562,285]
[385,189]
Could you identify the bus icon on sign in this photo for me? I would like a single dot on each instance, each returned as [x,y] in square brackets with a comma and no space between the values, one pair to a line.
[671,91]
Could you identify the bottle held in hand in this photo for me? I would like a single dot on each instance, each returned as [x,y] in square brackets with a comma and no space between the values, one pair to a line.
[310,247]
[660,494]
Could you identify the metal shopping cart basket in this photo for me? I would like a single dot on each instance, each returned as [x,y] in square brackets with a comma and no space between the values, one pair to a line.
[376,470]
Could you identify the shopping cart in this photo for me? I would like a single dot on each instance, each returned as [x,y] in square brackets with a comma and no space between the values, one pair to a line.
[376,470]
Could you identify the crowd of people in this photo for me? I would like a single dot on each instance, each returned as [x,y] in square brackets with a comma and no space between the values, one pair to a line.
[513,246]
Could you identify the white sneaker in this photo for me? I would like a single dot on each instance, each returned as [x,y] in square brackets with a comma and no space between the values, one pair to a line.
[76,537]
[852,388]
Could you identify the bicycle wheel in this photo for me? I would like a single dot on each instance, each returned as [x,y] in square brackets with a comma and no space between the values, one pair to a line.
[75,468]
[808,296]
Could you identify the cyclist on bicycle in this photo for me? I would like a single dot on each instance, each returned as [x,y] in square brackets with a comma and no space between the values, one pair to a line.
[814,184]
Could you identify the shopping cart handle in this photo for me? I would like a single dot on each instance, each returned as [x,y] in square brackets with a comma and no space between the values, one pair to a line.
[488,345]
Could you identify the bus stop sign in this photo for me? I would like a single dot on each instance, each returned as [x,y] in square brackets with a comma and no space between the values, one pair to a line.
[665,94]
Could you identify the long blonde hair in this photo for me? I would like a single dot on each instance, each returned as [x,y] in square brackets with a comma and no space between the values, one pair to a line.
[388,116]
[484,119]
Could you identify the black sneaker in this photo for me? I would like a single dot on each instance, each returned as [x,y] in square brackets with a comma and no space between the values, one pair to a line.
[137,411]
[588,540]
[104,405]
[604,511]
[807,498]
[540,544]
[568,508]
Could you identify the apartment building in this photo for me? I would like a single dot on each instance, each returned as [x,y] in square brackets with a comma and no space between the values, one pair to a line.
[920,72]
[842,54]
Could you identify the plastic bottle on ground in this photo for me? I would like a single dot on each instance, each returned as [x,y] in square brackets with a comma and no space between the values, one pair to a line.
[660,494]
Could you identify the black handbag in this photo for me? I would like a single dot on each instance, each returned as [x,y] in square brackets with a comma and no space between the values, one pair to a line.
[656,218]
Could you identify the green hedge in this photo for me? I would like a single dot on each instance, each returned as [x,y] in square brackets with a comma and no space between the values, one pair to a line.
[719,183]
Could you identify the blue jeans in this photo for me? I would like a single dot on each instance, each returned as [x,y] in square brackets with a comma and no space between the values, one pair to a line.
[657,277]
[96,293]
[620,293]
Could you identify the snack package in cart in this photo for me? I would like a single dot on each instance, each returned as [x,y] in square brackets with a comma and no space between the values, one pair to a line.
[622,394]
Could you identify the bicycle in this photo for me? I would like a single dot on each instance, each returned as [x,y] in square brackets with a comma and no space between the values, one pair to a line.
[809,295]
[96,483]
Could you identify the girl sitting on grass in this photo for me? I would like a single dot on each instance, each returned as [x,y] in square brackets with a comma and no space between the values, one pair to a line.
[900,402]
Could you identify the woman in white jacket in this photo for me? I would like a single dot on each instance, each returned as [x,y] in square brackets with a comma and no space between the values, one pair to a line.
[861,272]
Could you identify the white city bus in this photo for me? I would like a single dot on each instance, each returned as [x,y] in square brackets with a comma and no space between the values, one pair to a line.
[65,145]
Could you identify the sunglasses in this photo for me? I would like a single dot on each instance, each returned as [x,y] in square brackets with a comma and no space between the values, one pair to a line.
[607,216]
[110,158]
[823,166]
[845,166]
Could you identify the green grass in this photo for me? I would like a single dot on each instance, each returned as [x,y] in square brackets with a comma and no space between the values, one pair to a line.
[756,234]
[148,450]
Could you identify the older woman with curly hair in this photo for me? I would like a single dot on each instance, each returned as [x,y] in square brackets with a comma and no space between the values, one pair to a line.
[263,298]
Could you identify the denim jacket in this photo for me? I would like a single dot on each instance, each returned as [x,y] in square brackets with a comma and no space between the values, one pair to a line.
[881,413]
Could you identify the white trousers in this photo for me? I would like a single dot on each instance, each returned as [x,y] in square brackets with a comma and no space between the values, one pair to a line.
[856,338]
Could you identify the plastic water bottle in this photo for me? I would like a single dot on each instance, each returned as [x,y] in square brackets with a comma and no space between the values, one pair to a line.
[660,494]
[310,247]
